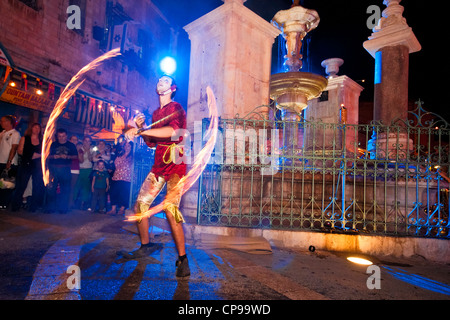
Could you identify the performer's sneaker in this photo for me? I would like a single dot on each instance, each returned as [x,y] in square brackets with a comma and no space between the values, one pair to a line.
[183,270]
[142,252]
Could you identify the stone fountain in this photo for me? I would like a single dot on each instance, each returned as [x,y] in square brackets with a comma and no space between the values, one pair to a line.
[291,90]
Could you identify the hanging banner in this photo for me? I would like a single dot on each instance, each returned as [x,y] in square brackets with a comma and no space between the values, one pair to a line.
[89,110]
[6,64]
[7,73]
[84,109]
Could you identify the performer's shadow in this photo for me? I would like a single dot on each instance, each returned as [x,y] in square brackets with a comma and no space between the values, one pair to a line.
[182,291]
[133,282]
[145,261]
[127,279]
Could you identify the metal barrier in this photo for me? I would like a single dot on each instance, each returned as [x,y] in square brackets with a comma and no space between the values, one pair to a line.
[330,177]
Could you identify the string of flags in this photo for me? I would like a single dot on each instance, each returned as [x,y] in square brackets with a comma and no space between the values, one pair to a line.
[96,113]
[82,108]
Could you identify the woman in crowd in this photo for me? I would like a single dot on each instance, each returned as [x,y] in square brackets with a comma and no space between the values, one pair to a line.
[121,180]
[29,148]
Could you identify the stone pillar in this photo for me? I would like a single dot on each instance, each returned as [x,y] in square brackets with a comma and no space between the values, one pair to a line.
[390,44]
[391,84]
[339,104]
[231,51]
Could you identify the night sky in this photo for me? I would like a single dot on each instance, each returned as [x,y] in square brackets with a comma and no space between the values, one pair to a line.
[341,33]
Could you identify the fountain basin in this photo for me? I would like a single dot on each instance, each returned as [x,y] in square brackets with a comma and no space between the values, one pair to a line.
[292,90]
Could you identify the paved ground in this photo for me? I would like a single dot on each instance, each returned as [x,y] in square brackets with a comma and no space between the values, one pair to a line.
[37,249]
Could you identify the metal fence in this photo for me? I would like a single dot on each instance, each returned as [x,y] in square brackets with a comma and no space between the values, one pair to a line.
[331,177]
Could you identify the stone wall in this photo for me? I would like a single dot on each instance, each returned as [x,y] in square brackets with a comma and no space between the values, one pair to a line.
[39,41]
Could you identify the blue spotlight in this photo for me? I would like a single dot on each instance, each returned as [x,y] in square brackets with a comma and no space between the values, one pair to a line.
[168,65]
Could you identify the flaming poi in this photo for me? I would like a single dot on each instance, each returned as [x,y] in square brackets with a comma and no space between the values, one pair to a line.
[200,160]
[60,105]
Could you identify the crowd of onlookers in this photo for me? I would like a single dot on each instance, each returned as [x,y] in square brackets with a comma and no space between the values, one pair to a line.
[83,174]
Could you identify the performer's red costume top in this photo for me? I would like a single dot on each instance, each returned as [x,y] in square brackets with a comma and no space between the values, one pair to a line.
[162,165]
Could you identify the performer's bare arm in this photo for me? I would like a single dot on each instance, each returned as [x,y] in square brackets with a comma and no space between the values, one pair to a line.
[163,132]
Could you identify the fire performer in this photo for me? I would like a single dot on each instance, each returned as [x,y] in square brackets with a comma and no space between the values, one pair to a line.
[166,169]
[162,131]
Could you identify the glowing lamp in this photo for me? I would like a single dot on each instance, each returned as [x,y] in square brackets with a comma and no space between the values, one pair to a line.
[39,92]
[168,65]
[12,84]
[361,261]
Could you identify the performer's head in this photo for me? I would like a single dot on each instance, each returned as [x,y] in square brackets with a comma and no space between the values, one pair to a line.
[166,85]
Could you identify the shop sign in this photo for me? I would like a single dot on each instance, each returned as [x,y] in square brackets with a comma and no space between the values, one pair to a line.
[26,99]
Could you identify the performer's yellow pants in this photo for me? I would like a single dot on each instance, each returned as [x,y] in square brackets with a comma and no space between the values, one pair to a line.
[150,189]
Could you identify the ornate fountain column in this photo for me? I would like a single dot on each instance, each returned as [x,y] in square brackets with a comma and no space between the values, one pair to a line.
[291,90]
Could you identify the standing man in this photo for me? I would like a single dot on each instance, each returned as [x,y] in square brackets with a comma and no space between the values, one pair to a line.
[9,142]
[62,152]
[164,170]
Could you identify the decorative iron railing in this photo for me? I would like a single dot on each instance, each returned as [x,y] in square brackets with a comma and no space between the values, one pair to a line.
[331,177]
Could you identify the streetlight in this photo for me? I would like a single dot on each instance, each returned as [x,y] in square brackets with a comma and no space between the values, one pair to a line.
[168,65]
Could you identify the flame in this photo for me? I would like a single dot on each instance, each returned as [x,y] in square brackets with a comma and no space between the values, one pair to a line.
[60,105]
[200,162]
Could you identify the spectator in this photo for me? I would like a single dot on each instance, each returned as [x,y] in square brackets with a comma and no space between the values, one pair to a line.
[83,186]
[30,146]
[121,180]
[100,185]
[75,172]
[9,142]
[101,154]
[62,152]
